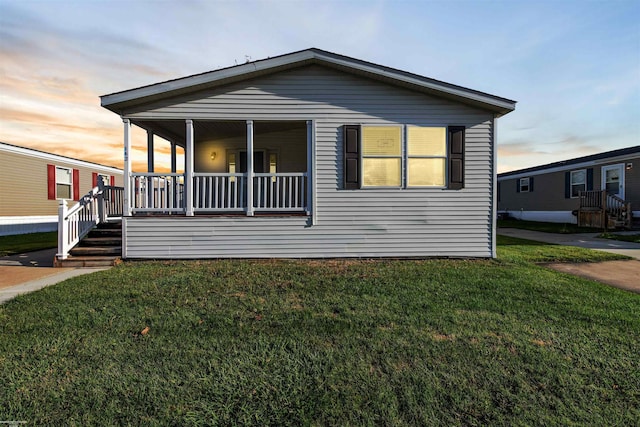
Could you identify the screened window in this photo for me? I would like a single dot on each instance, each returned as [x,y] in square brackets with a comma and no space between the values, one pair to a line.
[381,156]
[64,181]
[426,156]
[578,182]
[524,185]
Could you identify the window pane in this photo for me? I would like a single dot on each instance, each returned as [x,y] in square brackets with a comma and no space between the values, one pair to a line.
[381,172]
[423,141]
[576,189]
[63,175]
[426,172]
[578,177]
[381,140]
[63,191]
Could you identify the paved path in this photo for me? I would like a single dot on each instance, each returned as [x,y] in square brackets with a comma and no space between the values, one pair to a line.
[621,274]
[31,271]
[582,240]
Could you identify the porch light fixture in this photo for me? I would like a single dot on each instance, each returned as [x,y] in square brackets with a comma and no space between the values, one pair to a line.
[629,166]
[213,155]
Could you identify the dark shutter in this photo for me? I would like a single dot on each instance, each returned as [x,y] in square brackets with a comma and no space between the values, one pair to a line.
[531,184]
[456,157]
[517,185]
[351,142]
[567,185]
[589,179]
[51,182]
[76,184]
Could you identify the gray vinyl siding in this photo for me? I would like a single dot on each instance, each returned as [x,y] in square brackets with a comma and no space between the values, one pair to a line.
[349,223]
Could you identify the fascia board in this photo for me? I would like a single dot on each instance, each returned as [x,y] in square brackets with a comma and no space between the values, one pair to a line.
[54,158]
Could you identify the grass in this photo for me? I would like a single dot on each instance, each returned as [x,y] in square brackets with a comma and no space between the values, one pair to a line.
[547,227]
[435,342]
[634,238]
[11,245]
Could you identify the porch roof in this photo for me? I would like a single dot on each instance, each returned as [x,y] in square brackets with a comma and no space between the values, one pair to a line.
[119,101]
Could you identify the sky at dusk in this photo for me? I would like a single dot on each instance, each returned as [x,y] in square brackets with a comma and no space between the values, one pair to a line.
[573,66]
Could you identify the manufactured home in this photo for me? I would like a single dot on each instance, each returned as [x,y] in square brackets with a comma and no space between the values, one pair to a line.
[312,155]
[573,191]
[33,182]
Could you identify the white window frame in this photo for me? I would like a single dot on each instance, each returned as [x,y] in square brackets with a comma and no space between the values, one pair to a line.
[571,184]
[70,183]
[525,182]
[400,156]
[406,158]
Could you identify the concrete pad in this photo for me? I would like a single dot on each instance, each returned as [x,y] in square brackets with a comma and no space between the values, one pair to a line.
[7,293]
[621,274]
[15,275]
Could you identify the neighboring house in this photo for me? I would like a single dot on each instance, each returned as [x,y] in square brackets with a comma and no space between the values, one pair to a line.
[552,192]
[309,155]
[32,182]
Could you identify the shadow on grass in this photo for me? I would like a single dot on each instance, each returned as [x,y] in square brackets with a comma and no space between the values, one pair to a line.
[512,241]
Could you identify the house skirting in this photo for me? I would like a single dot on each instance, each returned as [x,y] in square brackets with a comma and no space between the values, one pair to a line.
[564,217]
[10,225]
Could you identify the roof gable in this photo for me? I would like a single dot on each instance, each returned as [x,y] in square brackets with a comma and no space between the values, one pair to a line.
[119,101]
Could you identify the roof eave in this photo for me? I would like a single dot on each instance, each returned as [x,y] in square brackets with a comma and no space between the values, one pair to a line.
[116,102]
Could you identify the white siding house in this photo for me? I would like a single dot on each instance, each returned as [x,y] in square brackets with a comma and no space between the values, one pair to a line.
[312,155]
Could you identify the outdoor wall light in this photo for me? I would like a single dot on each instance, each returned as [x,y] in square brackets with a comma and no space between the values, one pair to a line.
[629,166]
[213,155]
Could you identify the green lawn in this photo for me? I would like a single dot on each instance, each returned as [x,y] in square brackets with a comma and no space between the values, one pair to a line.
[436,342]
[547,227]
[10,245]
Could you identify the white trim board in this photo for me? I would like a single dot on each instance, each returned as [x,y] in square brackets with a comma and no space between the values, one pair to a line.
[55,158]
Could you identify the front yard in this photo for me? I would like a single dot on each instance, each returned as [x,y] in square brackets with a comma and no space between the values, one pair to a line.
[436,342]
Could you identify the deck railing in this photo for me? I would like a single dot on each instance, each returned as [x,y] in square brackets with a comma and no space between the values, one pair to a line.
[97,206]
[219,192]
[161,193]
[597,207]
[280,191]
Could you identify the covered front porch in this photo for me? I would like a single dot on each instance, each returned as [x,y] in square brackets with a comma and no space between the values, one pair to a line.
[230,167]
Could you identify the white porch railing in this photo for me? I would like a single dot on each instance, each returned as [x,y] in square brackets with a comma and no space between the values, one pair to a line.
[219,192]
[99,204]
[152,192]
[280,191]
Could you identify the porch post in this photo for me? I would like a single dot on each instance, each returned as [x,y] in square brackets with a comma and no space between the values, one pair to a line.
[311,171]
[126,209]
[150,161]
[173,157]
[249,167]
[188,172]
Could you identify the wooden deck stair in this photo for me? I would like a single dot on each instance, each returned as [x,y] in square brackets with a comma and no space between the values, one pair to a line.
[101,247]
[601,210]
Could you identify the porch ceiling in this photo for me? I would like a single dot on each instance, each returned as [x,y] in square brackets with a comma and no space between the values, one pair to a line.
[175,130]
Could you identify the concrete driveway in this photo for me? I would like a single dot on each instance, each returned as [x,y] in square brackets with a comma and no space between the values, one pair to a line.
[621,274]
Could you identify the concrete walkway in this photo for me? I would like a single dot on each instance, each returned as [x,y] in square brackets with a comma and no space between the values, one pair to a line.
[621,274]
[581,240]
[31,271]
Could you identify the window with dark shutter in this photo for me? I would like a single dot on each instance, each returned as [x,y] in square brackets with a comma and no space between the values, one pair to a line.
[456,157]
[351,142]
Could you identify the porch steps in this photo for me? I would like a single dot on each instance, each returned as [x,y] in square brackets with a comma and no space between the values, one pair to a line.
[100,248]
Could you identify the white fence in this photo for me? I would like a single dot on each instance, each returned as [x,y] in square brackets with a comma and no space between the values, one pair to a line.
[162,193]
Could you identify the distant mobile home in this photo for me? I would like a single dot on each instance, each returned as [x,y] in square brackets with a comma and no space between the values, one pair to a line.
[32,182]
[552,192]
[312,155]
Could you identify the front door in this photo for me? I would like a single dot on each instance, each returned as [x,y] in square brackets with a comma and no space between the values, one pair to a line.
[258,162]
[613,180]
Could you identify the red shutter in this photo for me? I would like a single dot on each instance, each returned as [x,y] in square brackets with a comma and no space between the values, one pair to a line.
[94,179]
[76,184]
[51,182]
[113,181]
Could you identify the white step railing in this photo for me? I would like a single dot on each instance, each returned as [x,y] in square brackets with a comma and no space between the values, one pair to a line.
[152,192]
[219,192]
[102,202]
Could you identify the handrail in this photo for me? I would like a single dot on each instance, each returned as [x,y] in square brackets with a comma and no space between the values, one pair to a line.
[93,208]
